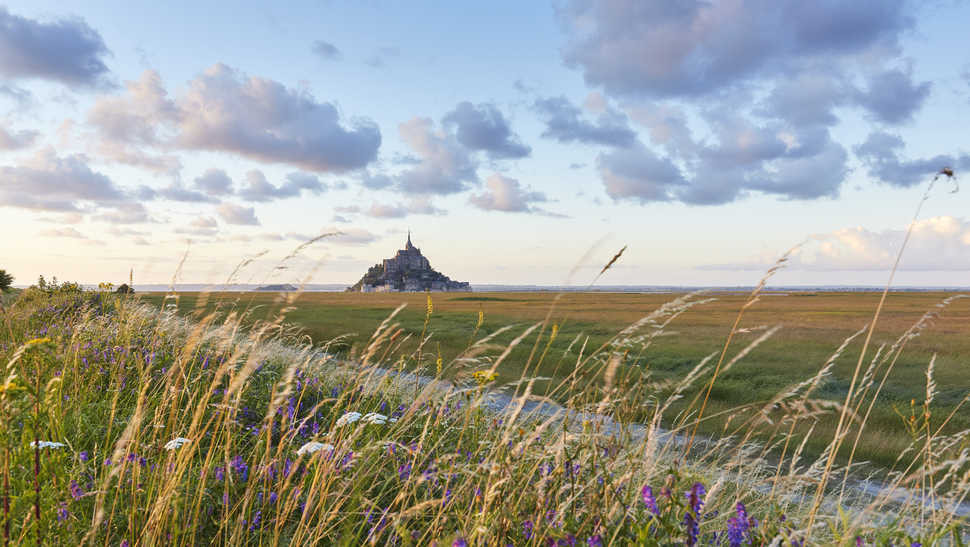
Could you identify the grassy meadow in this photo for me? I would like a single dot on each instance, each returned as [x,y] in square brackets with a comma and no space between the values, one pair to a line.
[813,325]
[267,419]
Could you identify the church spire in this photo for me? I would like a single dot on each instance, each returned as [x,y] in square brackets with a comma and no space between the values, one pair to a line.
[409,245]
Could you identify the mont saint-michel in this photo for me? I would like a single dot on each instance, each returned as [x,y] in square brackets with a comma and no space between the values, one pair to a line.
[408,270]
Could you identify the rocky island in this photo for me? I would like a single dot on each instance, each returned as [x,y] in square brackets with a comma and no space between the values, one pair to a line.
[408,270]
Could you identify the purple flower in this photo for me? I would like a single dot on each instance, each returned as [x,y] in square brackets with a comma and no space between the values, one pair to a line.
[273,497]
[647,495]
[460,542]
[692,528]
[696,497]
[527,528]
[347,460]
[83,456]
[738,526]
[595,541]
[124,543]
[62,512]
[404,471]
[107,461]
[240,467]
[76,491]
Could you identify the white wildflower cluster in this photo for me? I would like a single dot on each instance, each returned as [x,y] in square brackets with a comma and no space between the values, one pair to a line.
[176,443]
[313,446]
[46,444]
[370,417]
[378,419]
[348,418]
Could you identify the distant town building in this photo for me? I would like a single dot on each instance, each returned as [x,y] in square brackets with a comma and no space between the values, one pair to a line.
[408,270]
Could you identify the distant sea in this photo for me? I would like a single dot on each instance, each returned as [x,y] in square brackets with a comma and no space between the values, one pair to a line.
[333,287]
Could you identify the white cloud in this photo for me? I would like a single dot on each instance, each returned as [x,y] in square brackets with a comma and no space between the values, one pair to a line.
[48,182]
[224,110]
[937,244]
[237,214]
[506,194]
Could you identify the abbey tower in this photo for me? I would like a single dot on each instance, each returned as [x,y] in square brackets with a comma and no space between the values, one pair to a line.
[408,270]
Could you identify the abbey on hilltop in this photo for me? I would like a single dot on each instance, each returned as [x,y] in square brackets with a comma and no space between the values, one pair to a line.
[409,270]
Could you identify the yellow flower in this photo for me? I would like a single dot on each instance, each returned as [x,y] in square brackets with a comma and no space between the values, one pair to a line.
[438,361]
[481,319]
[38,341]
[430,305]
[483,377]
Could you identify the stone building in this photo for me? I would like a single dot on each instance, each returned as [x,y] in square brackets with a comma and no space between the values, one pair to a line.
[408,270]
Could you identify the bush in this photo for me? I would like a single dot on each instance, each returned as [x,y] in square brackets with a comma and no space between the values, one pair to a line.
[6,280]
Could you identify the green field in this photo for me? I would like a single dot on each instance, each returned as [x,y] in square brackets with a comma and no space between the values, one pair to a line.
[813,325]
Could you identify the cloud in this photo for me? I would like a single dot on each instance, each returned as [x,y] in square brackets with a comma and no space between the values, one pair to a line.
[880,154]
[17,139]
[380,210]
[204,222]
[237,214]
[177,192]
[666,125]
[937,244]
[222,110]
[892,97]
[416,206]
[66,218]
[47,182]
[23,97]
[128,232]
[377,181]
[325,50]
[378,60]
[446,166]
[201,226]
[564,123]
[63,232]
[65,50]
[350,236]
[639,174]
[129,124]
[214,182]
[506,194]
[125,213]
[658,49]
[744,158]
[483,127]
[808,98]
[741,97]
[263,120]
[259,189]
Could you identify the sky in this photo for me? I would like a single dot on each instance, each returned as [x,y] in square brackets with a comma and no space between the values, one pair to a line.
[519,142]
